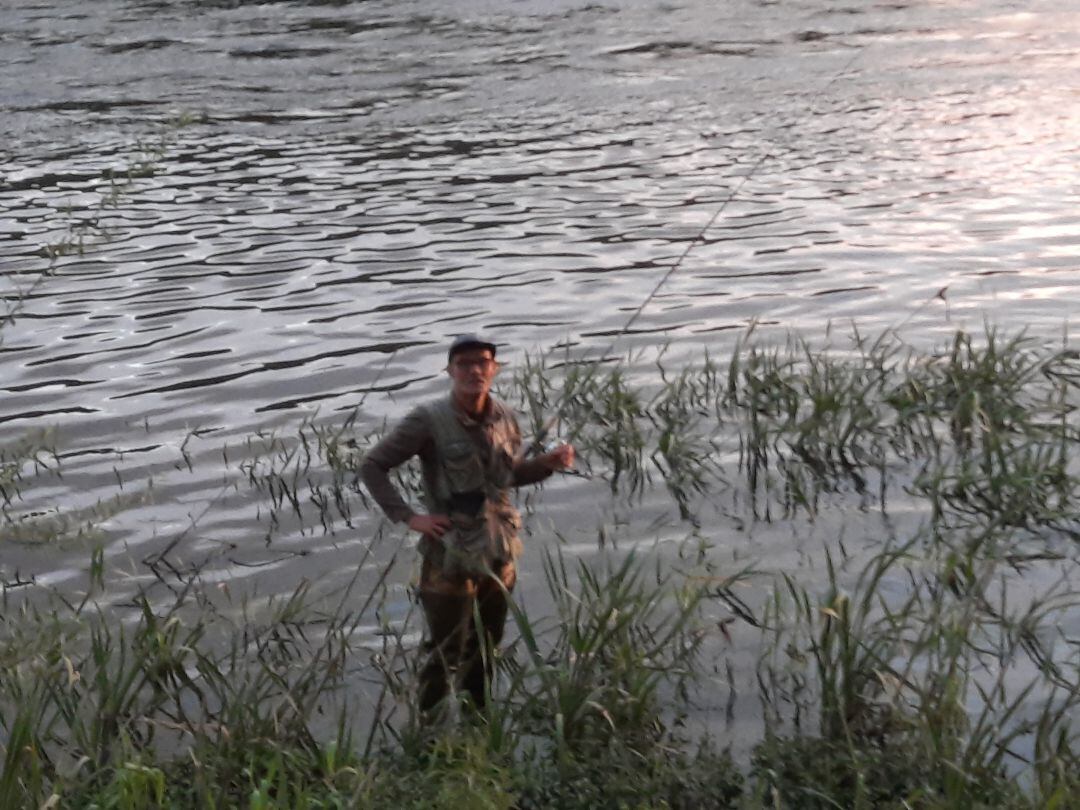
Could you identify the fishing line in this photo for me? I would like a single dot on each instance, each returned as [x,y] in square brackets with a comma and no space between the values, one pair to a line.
[545,429]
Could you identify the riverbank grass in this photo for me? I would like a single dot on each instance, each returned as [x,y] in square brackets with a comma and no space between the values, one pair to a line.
[936,667]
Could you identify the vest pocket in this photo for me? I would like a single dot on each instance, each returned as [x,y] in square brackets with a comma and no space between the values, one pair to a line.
[464,472]
[504,527]
[503,468]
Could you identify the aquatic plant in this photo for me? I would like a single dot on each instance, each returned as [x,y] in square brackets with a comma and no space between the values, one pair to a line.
[917,686]
[923,670]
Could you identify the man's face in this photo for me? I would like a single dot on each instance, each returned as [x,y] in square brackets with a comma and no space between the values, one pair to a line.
[472,371]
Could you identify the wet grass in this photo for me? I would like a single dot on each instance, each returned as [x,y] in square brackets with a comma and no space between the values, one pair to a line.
[936,666]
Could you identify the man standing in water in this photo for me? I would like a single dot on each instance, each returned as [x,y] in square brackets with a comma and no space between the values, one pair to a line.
[469,445]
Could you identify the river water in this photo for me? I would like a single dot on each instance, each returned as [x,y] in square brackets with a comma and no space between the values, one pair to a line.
[337,188]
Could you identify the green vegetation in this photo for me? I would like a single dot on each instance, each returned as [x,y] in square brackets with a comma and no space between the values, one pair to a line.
[936,666]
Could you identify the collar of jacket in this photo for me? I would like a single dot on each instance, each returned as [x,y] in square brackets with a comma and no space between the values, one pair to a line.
[491,413]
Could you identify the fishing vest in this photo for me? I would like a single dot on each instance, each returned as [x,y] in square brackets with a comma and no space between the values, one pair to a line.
[471,486]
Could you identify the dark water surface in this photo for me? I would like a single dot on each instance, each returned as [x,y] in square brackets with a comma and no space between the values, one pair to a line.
[356,182]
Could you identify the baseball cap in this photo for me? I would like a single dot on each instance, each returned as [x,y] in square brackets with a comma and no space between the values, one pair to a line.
[469,341]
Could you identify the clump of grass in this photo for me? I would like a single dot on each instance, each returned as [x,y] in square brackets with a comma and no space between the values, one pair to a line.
[631,433]
[614,776]
[982,428]
[186,704]
[619,639]
[456,770]
[586,713]
[93,706]
[314,469]
[28,458]
[868,698]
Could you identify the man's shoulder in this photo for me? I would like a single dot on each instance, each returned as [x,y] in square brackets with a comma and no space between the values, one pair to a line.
[438,408]
[501,410]
[420,418]
[504,414]
[433,407]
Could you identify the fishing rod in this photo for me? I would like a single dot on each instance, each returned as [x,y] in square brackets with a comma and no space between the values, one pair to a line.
[546,428]
[540,439]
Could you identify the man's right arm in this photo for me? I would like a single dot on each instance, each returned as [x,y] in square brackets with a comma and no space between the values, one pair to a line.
[407,439]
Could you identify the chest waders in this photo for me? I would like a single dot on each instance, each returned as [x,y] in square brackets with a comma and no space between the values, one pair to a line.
[471,487]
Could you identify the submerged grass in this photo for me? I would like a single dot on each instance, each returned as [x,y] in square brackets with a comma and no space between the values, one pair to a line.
[929,674]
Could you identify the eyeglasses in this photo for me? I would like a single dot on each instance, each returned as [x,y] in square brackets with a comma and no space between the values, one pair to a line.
[481,363]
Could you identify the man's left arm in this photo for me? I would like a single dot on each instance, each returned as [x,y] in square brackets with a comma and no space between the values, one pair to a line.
[538,468]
